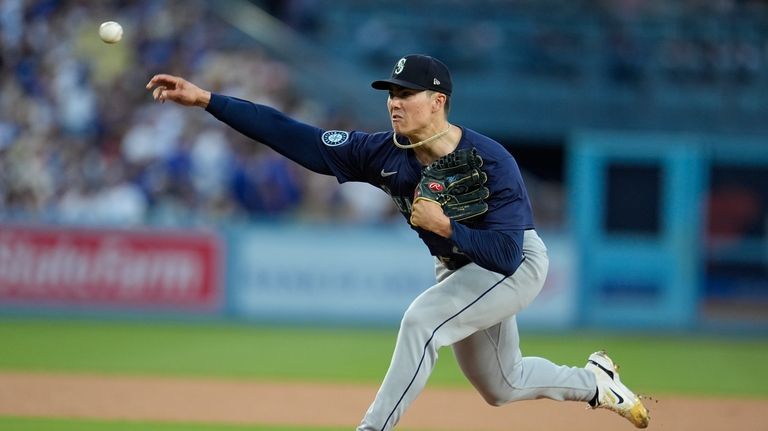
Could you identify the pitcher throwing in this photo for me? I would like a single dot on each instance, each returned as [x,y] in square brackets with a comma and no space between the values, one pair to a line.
[463,194]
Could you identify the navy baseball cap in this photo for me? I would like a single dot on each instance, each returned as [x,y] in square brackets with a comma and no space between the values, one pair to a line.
[418,72]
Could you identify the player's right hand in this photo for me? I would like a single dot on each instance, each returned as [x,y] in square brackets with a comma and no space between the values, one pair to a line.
[176,89]
[428,214]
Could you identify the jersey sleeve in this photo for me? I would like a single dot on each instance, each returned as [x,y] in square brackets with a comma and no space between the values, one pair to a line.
[351,156]
[293,139]
[497,251]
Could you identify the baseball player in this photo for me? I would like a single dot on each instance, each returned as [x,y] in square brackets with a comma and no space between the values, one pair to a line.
[463,194]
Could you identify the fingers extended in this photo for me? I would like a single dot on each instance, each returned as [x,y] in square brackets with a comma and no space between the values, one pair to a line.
[162,79]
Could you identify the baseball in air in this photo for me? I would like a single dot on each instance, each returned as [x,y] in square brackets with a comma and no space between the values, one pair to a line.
[111,32]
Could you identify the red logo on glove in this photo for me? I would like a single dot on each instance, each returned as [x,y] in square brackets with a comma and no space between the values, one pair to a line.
[435,187]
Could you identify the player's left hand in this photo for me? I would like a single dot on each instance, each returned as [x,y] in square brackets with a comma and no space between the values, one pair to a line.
[429,215]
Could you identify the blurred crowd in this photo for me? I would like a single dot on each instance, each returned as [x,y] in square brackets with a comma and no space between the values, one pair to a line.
[81,141]
[689,42]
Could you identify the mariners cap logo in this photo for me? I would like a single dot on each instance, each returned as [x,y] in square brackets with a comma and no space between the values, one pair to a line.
[399,66]
[423,73]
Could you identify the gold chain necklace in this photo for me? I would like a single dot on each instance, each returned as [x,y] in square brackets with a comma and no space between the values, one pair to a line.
[420,143]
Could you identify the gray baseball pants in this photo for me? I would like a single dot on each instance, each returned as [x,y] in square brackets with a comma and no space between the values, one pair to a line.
[473,310]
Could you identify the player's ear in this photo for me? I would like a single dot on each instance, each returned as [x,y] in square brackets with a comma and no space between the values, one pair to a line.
[438,101]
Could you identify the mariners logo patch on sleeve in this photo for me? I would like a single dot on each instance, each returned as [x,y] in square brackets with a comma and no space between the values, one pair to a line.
[334,138]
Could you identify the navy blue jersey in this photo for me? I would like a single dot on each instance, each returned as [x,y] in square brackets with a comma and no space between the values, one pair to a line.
[492,240]
[374,159]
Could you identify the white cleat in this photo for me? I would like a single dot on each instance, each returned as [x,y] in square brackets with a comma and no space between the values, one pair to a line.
[612,394]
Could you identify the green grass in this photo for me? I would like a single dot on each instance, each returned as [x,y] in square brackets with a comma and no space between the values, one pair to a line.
[236,351]
[39,424]
[671,364]
[651,364]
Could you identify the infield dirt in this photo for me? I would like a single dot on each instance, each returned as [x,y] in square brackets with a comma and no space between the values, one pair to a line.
[342,405]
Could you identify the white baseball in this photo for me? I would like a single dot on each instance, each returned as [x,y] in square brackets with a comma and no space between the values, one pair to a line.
[111,32]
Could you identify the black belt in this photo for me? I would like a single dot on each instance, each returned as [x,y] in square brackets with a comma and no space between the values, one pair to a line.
[454,262]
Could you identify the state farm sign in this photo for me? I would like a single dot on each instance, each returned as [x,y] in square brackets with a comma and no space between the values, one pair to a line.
[146,268]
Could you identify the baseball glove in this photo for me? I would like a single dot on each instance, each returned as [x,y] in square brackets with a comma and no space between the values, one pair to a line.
[456,182]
